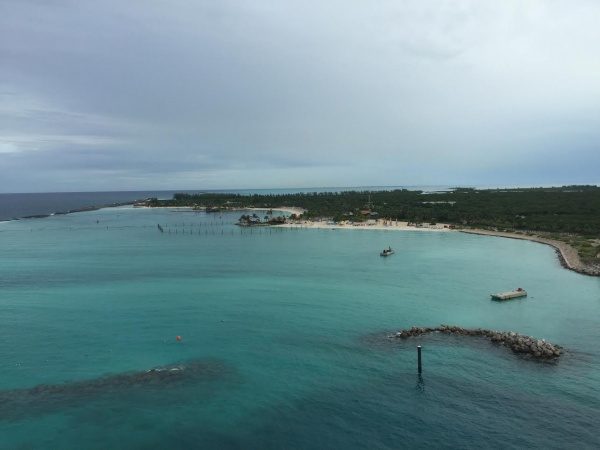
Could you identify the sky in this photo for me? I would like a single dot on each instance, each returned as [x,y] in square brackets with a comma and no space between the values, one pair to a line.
[179,94]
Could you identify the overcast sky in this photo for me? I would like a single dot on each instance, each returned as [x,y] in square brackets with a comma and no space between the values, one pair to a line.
[114,94]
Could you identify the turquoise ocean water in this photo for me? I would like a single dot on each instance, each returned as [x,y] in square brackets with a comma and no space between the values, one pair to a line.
[289,330]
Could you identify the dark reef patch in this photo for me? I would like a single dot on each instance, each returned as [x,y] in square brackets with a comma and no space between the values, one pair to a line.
[45,398]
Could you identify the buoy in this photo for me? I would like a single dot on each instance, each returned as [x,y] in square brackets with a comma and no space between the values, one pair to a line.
[178,338]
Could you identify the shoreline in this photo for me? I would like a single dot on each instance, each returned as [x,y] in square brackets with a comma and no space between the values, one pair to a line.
[379,224]
[567,255]
[288,209]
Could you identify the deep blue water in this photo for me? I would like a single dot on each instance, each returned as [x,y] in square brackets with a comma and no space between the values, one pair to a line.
[291,326]
[15,206]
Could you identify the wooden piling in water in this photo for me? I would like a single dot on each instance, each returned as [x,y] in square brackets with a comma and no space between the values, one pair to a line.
[419,367]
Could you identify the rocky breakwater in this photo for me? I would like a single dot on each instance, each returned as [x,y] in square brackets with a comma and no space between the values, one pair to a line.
[518,343]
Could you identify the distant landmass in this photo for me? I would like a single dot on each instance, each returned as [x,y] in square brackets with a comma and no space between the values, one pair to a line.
[567,214]
[22,205]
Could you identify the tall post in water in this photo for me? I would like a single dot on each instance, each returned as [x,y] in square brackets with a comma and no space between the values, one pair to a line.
[419,359]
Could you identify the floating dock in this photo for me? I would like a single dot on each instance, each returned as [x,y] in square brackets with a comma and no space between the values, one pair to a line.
[509,295]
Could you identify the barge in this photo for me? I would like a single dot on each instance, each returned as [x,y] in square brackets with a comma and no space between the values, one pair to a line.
[517,293]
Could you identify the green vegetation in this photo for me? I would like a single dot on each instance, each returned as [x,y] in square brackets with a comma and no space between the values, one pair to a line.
[569,213]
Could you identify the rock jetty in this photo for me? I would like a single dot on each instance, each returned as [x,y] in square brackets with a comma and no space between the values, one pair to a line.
[518,343]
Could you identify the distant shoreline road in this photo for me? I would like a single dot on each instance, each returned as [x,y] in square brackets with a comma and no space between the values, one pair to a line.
[567,255]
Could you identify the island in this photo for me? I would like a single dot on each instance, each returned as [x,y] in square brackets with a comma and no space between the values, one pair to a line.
[566,217]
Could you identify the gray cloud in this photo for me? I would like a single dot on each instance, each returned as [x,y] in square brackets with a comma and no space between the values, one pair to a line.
[140,95]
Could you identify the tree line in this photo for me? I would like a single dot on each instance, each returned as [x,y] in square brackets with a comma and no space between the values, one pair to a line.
[566,209]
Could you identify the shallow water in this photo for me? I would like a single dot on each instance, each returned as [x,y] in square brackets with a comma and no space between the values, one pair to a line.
[299,318]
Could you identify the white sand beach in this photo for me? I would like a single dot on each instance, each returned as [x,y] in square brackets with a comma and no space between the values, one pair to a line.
[390,225]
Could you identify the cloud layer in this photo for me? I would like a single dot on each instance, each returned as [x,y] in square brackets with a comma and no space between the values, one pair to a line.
[231,94]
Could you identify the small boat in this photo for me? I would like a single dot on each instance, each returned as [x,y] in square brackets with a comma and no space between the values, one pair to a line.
[519,292]
[387,252]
